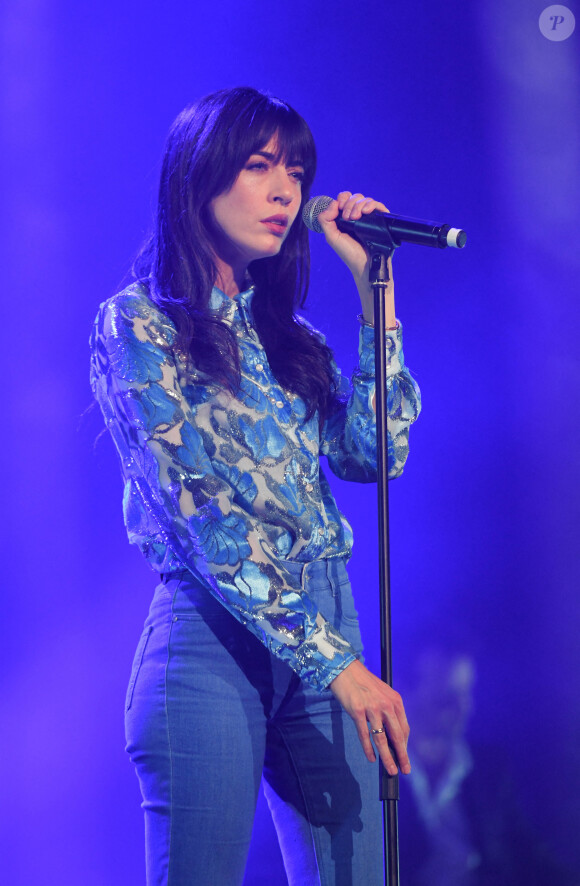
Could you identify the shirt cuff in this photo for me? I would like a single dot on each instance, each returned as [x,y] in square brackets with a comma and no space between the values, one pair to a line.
[394,346]
[321,658]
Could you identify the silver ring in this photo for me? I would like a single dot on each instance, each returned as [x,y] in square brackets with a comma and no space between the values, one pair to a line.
[376,731]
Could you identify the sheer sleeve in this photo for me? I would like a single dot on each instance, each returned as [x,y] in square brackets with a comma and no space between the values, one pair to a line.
[349,434]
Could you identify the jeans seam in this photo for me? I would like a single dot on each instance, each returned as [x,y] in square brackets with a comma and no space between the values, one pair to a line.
[316,849]
[171,774]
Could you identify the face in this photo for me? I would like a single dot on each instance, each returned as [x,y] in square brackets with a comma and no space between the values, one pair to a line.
[253,218]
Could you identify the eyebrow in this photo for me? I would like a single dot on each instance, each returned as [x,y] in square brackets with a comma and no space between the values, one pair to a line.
[267,155]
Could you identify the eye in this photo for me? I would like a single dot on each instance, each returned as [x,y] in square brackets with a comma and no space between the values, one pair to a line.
[257,164]
[297,174]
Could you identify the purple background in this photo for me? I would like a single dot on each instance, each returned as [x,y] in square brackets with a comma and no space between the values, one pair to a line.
[461,112]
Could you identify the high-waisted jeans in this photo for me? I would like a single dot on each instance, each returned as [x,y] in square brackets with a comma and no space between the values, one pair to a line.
[209,711]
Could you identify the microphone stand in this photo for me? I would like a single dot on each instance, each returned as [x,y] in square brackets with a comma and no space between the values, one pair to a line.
[388,784]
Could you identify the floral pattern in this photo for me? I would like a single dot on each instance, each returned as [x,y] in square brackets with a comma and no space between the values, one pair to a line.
[229,487]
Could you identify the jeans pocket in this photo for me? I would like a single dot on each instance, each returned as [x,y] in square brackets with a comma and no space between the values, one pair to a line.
[137,662]
[345,606]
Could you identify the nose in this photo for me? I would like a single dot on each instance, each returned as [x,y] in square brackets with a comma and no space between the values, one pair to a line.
[281,191]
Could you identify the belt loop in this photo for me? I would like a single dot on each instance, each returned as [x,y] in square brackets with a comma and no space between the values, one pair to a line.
[331,575]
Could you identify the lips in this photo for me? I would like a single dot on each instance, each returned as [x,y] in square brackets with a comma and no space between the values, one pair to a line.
[276,224]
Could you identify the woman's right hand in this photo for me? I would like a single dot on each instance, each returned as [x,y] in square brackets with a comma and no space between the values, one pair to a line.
[354,254]
[373,704]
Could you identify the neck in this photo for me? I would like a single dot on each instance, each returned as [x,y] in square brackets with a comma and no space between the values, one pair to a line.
[230,278]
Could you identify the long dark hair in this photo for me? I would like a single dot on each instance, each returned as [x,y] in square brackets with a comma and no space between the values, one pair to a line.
[208,145]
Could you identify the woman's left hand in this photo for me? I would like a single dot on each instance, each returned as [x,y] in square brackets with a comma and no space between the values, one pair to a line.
[353,254]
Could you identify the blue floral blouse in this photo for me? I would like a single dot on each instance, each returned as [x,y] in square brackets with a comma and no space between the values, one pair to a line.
[230,487]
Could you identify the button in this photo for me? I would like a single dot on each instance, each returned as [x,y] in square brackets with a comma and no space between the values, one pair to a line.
[279,404]
[309,487]
[259,367]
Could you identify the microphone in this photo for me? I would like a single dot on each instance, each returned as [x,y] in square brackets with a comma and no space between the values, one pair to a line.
[383,228]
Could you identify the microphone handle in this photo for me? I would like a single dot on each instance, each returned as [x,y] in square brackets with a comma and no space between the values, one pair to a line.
[422,233]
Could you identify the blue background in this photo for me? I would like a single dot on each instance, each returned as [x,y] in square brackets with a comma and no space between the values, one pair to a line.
[462,112]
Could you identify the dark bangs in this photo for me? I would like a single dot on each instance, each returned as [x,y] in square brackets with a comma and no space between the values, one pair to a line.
[293,137]
[254,119]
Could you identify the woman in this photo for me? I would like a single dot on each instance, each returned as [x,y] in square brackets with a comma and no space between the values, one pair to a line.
[220,402]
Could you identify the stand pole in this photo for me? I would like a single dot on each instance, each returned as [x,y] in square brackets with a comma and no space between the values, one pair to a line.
[388,784]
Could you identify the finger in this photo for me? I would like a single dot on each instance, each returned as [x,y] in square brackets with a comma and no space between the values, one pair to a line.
[371,205]
[394,719]
[400,715]
[351,207]
[358,205]
[404,723]
[382,745]
[398,738]
[362,206]
[342,199]
[363,734]
[402,757]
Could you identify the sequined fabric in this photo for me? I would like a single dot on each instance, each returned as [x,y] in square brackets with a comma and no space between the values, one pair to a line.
[229,487]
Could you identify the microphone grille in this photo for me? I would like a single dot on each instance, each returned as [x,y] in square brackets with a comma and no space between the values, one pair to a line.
[312,210]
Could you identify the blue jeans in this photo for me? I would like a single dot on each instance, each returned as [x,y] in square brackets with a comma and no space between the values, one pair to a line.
[209,711]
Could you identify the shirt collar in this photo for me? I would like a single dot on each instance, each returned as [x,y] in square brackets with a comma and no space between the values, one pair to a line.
[230,308]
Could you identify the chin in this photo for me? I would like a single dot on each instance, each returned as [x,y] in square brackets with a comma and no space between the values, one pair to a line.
[270,253]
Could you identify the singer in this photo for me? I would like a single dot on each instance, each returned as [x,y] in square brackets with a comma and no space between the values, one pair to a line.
[221,400]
